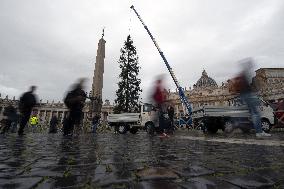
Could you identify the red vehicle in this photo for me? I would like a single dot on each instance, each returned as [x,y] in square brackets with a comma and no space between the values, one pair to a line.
[279,114]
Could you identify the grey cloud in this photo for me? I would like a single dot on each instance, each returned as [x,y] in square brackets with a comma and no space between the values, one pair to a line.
[52,43]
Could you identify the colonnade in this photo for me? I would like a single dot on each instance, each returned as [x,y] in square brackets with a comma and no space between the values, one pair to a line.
[45,115]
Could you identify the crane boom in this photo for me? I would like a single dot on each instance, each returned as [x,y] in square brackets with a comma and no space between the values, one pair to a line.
[182,96]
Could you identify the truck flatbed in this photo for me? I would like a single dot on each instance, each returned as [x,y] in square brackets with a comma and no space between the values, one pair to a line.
[221,111]
[212,118]
[124,118]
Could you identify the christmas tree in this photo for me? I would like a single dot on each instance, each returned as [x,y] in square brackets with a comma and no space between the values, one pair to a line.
[127,95]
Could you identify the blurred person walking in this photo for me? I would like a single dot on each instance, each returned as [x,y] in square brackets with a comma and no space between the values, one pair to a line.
[10,118]
[171,113]
[27,101]
[64,121]
[53,124]
[159,98]
[15,122]
[75,101]
[249,98]
[95,123]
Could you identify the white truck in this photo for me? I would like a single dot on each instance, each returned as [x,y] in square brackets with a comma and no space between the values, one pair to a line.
[132,122]
[213,118]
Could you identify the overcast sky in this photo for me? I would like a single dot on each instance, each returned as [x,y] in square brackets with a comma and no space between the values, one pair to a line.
[52,43]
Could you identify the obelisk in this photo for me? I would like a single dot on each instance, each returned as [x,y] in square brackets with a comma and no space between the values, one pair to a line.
[97,85]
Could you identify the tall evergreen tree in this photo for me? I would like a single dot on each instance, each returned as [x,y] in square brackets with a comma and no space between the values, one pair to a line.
[127,95]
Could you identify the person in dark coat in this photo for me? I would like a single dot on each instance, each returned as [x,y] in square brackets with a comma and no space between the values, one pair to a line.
[10,114]
[27,101]
[95,122]
[64,121]
[15,123]
[171,113]
[53,124]
[75,101]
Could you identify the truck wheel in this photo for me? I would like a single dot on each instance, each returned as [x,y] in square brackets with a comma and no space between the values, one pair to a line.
[122,129]
[133,130]
[212,130]
[265,125]
[245,130]
[211,127]
[228,126]
[150,128]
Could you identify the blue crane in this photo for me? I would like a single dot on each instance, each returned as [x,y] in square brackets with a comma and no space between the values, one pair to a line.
[182,96]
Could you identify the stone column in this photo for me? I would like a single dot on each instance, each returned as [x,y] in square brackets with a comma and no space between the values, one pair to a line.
[45,116]
[97,85]
[49,118]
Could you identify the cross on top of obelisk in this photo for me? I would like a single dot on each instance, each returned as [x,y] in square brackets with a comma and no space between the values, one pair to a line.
[103,32]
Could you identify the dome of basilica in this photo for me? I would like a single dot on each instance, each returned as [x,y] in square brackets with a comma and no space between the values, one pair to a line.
[205,81]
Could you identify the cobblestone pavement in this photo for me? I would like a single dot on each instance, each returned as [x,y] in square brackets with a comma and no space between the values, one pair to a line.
[107,160]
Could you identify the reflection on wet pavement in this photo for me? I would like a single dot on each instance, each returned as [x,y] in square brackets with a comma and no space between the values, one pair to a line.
[185,160]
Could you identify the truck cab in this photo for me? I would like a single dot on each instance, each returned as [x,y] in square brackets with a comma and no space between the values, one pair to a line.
[133,122]
[148,114]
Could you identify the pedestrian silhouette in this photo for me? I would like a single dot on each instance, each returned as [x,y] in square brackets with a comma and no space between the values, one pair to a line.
[53,124]
[95,122]
[10,116]
[75,101]
[249,98]
[159,101]
[171,113]
[27,101]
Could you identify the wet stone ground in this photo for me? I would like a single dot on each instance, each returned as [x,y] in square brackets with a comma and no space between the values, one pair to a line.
[185,160]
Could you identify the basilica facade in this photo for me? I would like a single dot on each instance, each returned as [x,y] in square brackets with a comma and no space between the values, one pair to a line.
[268,84]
